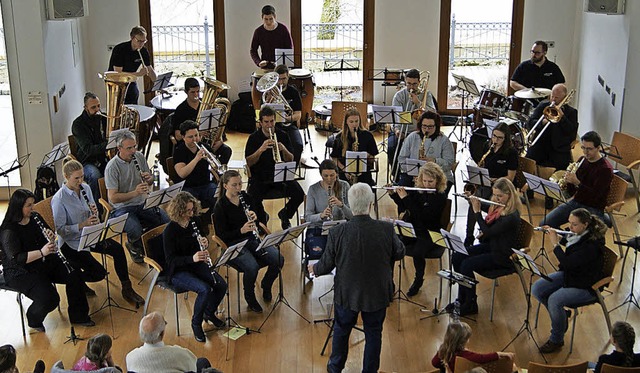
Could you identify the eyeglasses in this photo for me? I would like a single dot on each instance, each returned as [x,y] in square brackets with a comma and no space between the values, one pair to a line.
[536,53]
[428,126]
[497,137]
[587,148]
[141,41]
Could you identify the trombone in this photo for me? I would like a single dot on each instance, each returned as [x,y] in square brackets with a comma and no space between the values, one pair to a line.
[553,114]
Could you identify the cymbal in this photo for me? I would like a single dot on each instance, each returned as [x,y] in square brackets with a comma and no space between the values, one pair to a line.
[533,93]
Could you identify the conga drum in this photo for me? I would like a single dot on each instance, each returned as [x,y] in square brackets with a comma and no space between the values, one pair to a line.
[302,79]
[256,96]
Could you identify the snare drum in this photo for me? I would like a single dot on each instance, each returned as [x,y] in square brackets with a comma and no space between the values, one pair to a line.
[302,79]
[491,101]
[518,108]
[256,96]
[322,117]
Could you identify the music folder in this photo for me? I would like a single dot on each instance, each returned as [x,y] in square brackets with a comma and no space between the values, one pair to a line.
[230,254]
[162,196]
[327,225]
[94,234]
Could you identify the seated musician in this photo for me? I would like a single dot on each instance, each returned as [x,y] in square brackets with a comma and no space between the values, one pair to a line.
[501,160]
[580,268]
[31,265]
[73,209]
[326,200]
[498,236]
[291,119]
[354,137]
[260,152]
[236,219]
[89,131]
[188,110]
[192,166]
[591,183]
[423,210]
[128,183]
[428,143]
[185,249]
[409,99]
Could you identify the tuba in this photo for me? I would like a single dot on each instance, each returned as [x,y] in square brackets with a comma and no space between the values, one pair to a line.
[272,92]
[422,88]
[210,100]
[118,115]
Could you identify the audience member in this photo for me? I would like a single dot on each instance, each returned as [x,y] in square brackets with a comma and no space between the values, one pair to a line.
[623,337]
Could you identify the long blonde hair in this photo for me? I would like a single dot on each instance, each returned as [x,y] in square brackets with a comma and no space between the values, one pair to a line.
[513,203]
[455,340]
[344,135]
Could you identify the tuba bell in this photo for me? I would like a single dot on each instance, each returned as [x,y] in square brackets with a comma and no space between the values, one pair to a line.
[118,115]
[210,100]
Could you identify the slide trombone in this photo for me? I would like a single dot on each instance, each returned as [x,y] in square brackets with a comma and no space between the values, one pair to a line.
[553,114]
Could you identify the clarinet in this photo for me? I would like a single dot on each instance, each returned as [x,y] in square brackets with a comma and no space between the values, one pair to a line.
[60,254]
[329,193]
[245,207]
[135,163]
[196,234]
[86,199]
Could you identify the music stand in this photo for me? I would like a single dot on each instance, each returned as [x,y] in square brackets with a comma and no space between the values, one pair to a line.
[210,119]
[284,56]
[453,244]
[634,243]
[57,153]
[8,168]
[341,65]
[478,176]
[468,87]
[162,196]
[113,136]
[276,239]
[388,77]
[524,262]
[393,115]
[355,162]
[162,82]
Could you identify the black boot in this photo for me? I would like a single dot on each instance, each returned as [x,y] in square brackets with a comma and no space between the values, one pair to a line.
[130,295]
[415,287]
[469,307]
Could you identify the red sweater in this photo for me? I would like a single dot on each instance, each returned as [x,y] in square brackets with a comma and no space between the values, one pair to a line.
[595,182]
[469,355]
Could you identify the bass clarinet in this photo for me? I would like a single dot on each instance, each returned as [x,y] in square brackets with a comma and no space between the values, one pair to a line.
[53,241]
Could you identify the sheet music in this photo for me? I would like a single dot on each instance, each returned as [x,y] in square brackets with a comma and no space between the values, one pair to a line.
[284,171]
[412,166]
[534,183]
[401,227]
[284,56]
[116,226]
[113,135]
[478,175]
[162,196]
[330,224]
[356,162]
[279,110]
[454,242]
[382,114]
[90,236]
[526,261]
[230,253]
[58,152]
[209,119]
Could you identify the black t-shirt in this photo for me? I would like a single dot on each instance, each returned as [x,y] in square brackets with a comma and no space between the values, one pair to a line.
[501,163]
[124,56]
[293,99]
[200,174]
[183,112]
[366,143]
[530,75]
[263,170]
[230,218]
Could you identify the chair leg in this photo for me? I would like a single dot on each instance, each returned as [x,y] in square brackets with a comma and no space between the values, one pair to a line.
[238,286]
[535,325]
[635,188]
[493,297]
[573,329]
[24,329]
[175,302]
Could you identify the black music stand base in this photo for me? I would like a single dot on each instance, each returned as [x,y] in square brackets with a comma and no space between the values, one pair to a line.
[73,337]
[400,295]
[229,320]
[631,298]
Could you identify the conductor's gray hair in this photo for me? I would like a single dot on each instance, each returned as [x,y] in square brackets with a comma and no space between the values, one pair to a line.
[360,199]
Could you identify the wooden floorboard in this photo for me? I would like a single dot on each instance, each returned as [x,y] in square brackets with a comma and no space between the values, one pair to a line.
[287,343]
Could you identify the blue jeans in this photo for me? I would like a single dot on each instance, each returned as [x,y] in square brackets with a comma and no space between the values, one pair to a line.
[206,194]
[344,320]
[139,218]
[210,288]
[555,297]
[249,263]
[560,214]
[91,176]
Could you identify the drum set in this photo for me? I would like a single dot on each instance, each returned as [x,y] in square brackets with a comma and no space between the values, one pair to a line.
[513,110]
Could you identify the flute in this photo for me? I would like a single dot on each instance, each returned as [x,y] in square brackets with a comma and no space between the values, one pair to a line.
[196,234]
[49,240]
[394,187]
[487,201]
[558,231]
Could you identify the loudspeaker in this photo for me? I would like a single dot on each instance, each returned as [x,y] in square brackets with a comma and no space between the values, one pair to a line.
[604,6]
[61,9]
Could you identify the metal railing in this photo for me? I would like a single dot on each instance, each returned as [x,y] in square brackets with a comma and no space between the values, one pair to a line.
[478,42]
[184,44]
[332,41]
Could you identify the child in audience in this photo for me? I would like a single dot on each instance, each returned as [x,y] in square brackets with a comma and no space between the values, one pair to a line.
[8,361]
[454,344]
[98,354]
[623,337]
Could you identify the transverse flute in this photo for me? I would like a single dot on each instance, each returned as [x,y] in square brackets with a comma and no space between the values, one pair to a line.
[394,187]
[487,201]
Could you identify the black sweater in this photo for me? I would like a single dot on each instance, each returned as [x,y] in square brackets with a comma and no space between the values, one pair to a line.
[581,262]
[179,246]
[501,236]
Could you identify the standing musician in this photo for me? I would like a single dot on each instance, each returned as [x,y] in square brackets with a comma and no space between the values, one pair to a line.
[73,209]
[89,132]
[537,72]
[428,143]
[269,36]
[354,138]
[409,100]
[498,236]
[423,210]
[128,56]
[185,250]
[580,266]
[326,200]
[291,94]
[501,160]
[260,152]
[236,220]
[591,180]
[128,183]
[192,166]
[30,267]
[188,110]
[553,149]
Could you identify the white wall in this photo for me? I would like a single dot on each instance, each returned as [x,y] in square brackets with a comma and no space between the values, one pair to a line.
[631,111]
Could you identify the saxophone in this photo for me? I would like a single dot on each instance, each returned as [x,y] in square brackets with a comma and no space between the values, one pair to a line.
[481,163]
[559,177]
[354,146]
[422,153]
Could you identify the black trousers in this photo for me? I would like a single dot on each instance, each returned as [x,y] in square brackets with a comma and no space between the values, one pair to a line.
[91,269]
[39,288]
[290,189]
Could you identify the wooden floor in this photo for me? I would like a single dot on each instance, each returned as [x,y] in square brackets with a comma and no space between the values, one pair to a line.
[289,343]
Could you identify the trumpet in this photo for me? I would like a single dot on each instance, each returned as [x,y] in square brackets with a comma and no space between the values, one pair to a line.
[395,187]
[558,231]
[196,234]
[53,241]
[482,200]
[214,162]
[275,149]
